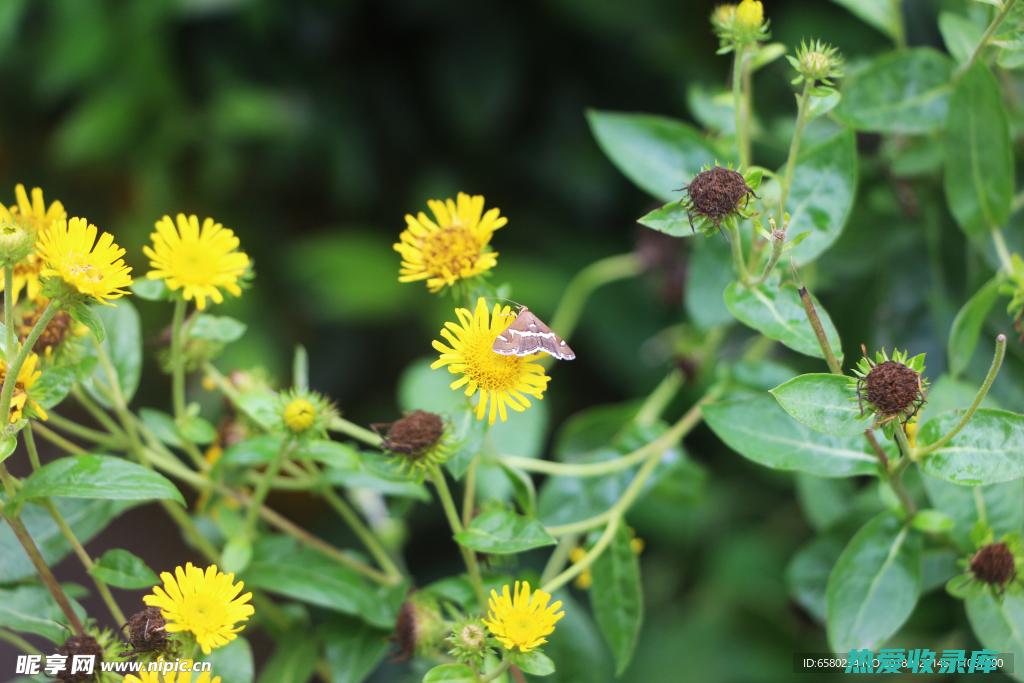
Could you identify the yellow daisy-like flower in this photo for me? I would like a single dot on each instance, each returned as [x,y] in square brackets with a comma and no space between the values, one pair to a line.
[93,267]
[206,604]
[21,398]
[199,261]
[33,214]
[451,247]
[750,14]
[524,619]
[503,381]
[172,676]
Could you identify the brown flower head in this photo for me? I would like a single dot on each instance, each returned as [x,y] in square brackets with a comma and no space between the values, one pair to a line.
[994,564]
[714,195]
[80,646]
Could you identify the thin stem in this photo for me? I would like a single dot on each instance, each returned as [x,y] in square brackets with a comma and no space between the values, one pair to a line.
[900,39]
[987,35]
[178,360]
[19,642]
[59,441]
[343,426]
[11,374]
[1002,251]
[794,149]
[659,399]
[819,332]
[501,668]
[263,487]
[559,556]
[468,556]
[97,413]
[896,476]
[883,459]
[736,243]
[742,134]
[191,531]
[83,432]
[778,246]
[11,340]
[469,492]
[993,372]
[584,563]
[585,282]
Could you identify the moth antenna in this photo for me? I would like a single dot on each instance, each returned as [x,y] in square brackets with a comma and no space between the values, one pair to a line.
[505,299]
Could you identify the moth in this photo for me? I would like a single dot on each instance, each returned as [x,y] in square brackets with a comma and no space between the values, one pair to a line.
[528,335]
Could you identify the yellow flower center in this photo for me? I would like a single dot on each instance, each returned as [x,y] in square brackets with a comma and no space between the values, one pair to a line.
[452,249]
[489,369]
[194,264]
[299,415]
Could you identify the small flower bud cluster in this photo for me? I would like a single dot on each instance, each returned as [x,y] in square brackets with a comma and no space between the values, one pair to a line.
[816,63]
[741,24]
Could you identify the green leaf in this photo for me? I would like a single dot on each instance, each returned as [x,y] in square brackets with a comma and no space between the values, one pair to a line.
[998,504]
[710,272]
[233,662]
[777,313]
[53,386]
[280,565]
[824,502]
[883,15]
[450,673]
[85,517]
[122,569]
[960,35]
[979,167]
[97,476]
[932,521]
[353,649]
[81,312]
[123,344]
[874,585]
[823,402]
[807,573]
[197,430]
[821,195]
[617,597]
[501,532]
[990,449]
[236,555]
[758,429]
[659,154]
[963,337]
[162,425]
[671,219]
[151,290]
[294,660]
[216,328]
[577,646]
[999,624]
[256,450]
[31,609]
[535,663]
[906,91]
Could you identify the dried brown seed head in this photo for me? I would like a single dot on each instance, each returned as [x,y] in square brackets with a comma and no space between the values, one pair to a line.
[716,194]
[892,387]
[414,434]
[146,630]
[994,564]
[80,646]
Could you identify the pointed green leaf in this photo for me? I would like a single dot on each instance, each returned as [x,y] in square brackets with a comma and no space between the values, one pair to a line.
[874,585]
[979,167]
[671,219]
[990,449]
[123,569]
[884,15]
[906,91]
[31,609]
[999,624]
[98,476]
[758,429]
[807,573]
[451,673]
[777,313]
[617,597]
[657,153]
[123,344]
[824,402]
[501,532]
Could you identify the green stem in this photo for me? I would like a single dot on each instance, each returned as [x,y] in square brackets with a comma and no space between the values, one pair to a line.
[993,371]
[778,246]
[595,552]
[468,556]
[11,340]
[343,426]
[501,668]
[794,150]
[896,477]
[18,642]
[585,282]
[659,399]
[59,441]
[178,360]
[469,494]
[1002,251]
[263,487]
[97,412]
[736,243]
[987,35]
[11,375]
[742,134]
[559,556]
[83,432]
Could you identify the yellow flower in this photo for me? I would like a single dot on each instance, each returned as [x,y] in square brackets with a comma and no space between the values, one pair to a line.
[750,14]
[206,604]
[522,620]
[299,415]
[36,217]
[451,247]
[199,261]
[93,267]
[503,381]
[21,399]
[172,676]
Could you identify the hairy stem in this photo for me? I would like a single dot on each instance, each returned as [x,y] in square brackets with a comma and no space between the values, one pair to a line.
[987,35]
[738,100]
[585,282]
[794,149]
[468,556]
[819,332]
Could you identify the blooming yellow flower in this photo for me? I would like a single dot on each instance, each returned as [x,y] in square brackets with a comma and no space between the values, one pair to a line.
[523,619]
[503,381]
[21,398]
[93,267]
[206,604]
[172,676]
[201,262]
[35,216]
[451,247]
[750,14]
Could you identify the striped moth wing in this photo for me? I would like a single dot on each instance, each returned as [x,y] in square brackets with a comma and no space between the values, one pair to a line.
[528,335]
